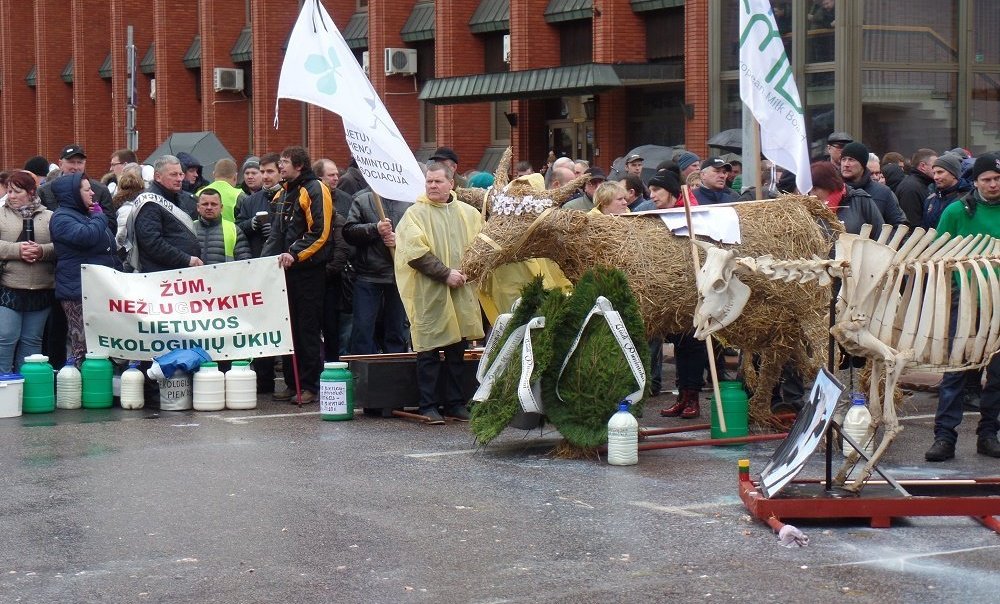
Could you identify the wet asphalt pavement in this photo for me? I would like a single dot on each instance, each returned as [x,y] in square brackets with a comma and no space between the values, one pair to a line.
[276,505]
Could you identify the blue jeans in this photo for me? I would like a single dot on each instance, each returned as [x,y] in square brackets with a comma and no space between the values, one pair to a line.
[20,336]
[949,411]
[369,299]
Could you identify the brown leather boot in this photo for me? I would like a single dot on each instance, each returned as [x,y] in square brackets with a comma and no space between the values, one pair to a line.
[678,407]
[693,408]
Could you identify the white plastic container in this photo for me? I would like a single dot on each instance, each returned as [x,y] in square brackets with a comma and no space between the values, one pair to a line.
[69,386]
[623,437]
[132,389]
[175,393]
[11,393]
[858,425]
[209,392]
[241,386]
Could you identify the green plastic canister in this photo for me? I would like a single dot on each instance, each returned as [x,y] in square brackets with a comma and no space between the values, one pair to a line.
[39,384]
[336,392]
[98,382]
[734,405]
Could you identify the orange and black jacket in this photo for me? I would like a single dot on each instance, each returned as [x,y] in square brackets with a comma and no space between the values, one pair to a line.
[302,224]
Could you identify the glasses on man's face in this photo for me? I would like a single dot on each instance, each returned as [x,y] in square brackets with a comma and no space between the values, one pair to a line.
[115,163]
[835,145]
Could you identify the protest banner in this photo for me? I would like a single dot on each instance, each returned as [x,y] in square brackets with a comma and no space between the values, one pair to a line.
[234,310]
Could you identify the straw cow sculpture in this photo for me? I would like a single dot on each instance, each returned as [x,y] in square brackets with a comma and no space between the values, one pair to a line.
[781,322]
[895,307]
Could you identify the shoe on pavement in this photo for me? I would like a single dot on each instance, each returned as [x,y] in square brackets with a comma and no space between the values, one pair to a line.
[988,446]
[432,417]
[307,398]
[941,450]
[284,395]
[459,412]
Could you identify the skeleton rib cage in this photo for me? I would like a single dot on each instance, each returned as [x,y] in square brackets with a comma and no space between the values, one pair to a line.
[901,293]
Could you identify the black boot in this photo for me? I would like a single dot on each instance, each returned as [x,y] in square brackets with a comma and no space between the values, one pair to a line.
[941,450]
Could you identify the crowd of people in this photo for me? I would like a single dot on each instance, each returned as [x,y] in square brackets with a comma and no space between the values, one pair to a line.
[860,188]
[380,275]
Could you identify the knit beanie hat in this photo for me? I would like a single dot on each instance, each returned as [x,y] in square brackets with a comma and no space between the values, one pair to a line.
[951,163]
[684,160]
[856,151]
[985,163]
[665,179]
[252,162]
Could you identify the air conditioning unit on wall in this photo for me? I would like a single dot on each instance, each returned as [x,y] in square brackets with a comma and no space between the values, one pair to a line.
[400,61]
[228,79]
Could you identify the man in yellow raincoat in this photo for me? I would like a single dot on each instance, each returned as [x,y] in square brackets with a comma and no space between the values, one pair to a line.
[443,311]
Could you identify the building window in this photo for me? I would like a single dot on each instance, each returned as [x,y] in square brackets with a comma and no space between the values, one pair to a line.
[493,53]
[665,34]
[501,126]
[985,113]
[926,32]
[428,125]
[576,42]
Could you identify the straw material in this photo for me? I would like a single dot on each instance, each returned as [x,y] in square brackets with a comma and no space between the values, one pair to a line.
[781,321]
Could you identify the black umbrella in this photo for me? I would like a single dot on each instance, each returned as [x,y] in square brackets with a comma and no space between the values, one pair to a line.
[728,140]
[204,146]
[651,155]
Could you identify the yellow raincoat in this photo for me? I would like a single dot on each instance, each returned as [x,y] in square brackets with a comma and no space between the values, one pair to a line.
[502,287]
[439,315]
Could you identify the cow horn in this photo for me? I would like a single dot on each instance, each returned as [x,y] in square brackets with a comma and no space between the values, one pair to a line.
[502,176]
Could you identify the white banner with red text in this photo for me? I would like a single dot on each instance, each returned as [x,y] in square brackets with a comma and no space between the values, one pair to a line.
[234,310]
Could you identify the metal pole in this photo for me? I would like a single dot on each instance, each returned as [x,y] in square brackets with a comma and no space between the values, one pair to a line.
[131,134]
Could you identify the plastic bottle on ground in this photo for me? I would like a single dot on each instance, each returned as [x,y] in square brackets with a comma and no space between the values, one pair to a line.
[858,425]
[69,386]
[623,437]
[133,384]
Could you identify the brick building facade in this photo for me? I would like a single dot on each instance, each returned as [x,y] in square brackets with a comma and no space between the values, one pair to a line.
[53,93]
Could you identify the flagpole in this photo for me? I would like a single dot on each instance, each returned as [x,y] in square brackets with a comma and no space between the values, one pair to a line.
[685,194]
[381,215]
[758,178]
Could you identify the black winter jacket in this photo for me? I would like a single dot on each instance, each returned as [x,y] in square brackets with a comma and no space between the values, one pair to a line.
[883,197]
[302,224]
[372,260]
[911,193]
[246,209]
[164,243]
[857,208]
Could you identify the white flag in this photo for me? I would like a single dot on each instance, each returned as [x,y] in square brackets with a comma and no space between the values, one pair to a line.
[320,69]
[767,87]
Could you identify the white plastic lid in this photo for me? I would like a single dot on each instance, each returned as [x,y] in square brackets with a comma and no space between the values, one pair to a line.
[335,365]
[36,358]
[97,355]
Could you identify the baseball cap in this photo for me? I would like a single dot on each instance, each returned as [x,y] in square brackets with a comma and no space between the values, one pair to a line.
[444,153]
[71,150]
[716,162]
[633,157]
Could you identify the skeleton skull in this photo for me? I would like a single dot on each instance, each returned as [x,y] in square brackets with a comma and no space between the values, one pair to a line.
[722,295]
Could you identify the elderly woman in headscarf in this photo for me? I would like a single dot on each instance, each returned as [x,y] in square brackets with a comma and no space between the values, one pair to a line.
[27,259]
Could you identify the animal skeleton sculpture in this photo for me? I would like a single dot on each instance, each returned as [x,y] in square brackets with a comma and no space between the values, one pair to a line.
[895,307]
[525,224]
